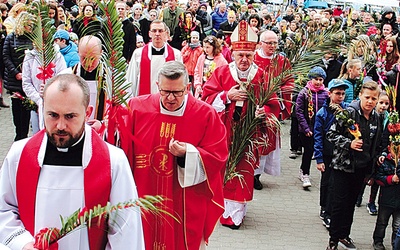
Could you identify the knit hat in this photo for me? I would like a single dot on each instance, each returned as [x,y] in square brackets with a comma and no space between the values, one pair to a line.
[137,6]
[139,39]
[316,72]
[61,34]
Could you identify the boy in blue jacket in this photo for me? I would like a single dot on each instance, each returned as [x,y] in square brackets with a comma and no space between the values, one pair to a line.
[323,149]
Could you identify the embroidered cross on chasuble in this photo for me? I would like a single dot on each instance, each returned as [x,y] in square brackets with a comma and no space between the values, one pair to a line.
[160,162]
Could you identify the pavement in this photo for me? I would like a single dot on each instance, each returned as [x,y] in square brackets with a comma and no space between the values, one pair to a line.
[281,216]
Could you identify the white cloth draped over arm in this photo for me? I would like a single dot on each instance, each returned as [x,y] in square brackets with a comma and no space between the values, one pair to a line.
[218,104]
[193,172]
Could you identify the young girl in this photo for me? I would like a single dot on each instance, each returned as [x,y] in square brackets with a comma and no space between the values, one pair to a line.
[311,98]
[191,52]
[207,63]
[351,71]
[392,53]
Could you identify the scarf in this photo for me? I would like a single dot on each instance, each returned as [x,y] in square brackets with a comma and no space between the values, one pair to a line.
[194,45]
[310,105]
[145,67]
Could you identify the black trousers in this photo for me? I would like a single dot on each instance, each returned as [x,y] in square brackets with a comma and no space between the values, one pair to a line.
[326,185]
[346,187]
[21,118]
[308,145]
[382,221]
[295,143]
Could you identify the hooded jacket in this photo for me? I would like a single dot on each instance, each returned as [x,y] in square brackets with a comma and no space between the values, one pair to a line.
[391,21]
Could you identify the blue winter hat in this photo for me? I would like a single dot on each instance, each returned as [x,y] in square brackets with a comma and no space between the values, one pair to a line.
[316,72]
[337,83]
[61,34]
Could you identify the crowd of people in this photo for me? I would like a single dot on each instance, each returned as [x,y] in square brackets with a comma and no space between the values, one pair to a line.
[208,84]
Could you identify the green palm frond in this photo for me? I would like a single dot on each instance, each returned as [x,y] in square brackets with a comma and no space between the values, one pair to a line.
[42,33]
[84,217]
[114,64]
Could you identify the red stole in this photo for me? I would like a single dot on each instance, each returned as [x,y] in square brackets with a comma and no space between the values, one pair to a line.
[97,186]
[145,68]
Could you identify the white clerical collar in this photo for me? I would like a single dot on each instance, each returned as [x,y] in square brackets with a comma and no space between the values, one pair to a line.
[64,150]
[157,49]
[243,74]
[263,55]
[178,112]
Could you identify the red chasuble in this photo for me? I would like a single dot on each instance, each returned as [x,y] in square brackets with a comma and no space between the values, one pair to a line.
[97,186]
[197,208]
[145,68]
[222,80]
[274,68]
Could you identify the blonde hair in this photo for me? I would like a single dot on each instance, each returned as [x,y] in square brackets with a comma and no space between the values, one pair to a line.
[22,20]
[16,9]
[348,65]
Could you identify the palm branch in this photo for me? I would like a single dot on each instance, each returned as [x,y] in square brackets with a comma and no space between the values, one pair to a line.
[84,217]
[247,133]
[41,36]
[114,64]
[113,74]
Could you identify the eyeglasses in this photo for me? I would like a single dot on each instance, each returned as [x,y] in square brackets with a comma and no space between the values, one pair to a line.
[175,93]
[157,30]
[270,43]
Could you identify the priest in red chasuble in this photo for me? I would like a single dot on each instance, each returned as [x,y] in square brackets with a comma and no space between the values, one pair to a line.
[275,66]
[180,153]
[227,91]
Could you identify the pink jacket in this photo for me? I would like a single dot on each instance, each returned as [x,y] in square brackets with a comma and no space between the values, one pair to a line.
[198,71]
[190,57]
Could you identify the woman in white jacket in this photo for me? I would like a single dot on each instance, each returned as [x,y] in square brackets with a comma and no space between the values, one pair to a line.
[34,77]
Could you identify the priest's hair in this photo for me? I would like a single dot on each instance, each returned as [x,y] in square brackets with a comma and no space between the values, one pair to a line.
[64,82]
[173,70]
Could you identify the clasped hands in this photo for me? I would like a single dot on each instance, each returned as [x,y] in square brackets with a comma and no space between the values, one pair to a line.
[237,94]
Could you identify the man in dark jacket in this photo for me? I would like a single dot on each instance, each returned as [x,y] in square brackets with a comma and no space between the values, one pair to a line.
[353,159]
[389,17]
[129,31]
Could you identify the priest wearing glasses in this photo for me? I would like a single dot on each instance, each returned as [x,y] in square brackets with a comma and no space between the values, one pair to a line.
[180,153]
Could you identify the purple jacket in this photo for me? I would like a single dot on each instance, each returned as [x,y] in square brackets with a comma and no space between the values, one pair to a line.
[318,98]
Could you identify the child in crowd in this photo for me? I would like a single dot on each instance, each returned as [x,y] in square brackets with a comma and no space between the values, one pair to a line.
[310,99]
[387,177]
[381,108]
[139,41]
[351,71]
[191,53]
[207,63]
[323,149]
[356,147]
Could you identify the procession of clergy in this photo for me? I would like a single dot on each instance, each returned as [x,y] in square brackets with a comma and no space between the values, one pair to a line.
[178,149]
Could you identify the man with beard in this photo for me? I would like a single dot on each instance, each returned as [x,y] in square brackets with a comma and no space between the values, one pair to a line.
[62,168]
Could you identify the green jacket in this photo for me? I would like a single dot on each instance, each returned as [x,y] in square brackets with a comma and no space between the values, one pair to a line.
[171,18]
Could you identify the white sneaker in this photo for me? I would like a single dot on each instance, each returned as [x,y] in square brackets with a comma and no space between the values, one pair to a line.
[301,176]
[306,181]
